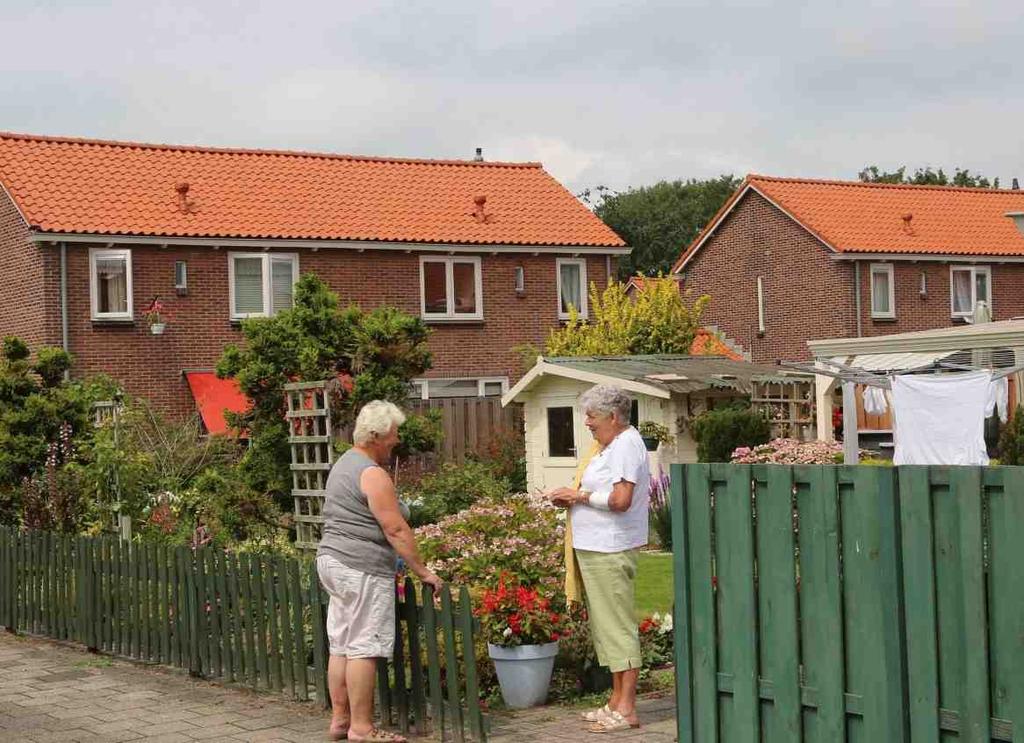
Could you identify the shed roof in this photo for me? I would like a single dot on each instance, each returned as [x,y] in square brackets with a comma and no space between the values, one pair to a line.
[657,375]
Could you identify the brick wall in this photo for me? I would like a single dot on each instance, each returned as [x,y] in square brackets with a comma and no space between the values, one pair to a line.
[917,312]
[29,272]
[807,295]
[199,326]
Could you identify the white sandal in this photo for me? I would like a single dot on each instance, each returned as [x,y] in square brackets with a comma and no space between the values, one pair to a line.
[596,715]
[613,723]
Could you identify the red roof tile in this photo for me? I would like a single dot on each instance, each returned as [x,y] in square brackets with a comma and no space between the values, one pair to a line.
[707,343]
[125,188]
[855,217]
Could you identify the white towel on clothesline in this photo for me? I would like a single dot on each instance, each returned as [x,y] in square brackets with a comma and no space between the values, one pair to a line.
[940,418]
[998,398]
[874,400]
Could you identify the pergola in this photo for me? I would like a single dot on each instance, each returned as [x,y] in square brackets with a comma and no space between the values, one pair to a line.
[996,346]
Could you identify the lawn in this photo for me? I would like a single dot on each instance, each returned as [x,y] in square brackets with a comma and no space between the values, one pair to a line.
[654,583]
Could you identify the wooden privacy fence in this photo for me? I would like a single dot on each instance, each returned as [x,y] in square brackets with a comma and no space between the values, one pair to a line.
[471,423]
[253,620]
[817,603]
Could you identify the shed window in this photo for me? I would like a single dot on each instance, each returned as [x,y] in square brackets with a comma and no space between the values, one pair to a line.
[561,439]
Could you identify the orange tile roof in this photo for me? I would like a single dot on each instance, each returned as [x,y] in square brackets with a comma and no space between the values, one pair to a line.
[126,188]
[855,217]
[706,343]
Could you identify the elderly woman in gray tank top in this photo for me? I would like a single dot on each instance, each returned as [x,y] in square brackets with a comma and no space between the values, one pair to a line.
[365,527]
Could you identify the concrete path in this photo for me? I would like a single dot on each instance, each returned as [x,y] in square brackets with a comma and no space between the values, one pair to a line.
[52,692]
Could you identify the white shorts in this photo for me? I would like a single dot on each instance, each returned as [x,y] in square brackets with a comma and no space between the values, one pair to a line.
[361,612]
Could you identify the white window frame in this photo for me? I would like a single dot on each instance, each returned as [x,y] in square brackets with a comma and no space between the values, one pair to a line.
[268,284]
[449,277]
[94,255]
[887,269]
[975,270]
[582,263]
[423,384]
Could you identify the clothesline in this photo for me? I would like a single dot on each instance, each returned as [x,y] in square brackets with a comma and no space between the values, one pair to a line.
[864,376]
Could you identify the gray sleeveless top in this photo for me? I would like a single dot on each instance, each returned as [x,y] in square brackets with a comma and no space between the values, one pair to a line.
[351,534]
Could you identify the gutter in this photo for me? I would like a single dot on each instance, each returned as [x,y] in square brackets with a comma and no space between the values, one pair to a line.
[65,335]
[856,296]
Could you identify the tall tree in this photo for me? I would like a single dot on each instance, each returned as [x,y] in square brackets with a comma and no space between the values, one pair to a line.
[927,177]
[659,221]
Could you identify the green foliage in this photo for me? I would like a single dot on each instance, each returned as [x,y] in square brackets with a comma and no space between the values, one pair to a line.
[420,433]
[719,432]
[453,488]
[505,453]
[1011,442]
[659,221]
[51,364]
[373,355]
[927,177]
[657,321]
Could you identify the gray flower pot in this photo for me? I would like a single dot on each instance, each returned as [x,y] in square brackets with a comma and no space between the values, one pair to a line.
[524,672]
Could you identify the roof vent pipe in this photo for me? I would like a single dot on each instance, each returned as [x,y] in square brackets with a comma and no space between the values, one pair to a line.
[479,157]
[1016,185]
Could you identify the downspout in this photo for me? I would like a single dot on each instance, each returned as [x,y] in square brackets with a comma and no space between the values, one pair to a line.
[64,334]
[856,296]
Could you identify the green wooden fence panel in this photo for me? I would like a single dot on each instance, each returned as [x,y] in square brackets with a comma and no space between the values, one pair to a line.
[917,528]
[285,601]
[700,571]
[681,611]
[965,482]
[1006,599]
[318,618]
[821,601]
[430,634]
[401,689]
[417,679]
[473,711]
[298,628]
[451,660]
[780,640]
[737,610]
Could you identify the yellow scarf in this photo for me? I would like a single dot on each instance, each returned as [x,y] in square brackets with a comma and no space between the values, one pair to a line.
[573,579]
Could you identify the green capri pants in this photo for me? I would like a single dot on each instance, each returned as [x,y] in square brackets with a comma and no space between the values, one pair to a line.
[609,583]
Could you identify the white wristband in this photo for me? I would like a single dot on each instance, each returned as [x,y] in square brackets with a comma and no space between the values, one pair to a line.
[600,501]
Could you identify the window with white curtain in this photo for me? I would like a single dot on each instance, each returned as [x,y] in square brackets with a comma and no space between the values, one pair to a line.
[110,284]
[572,286]
[451,288]
[969,285]
[432,389]
[883,291]
[261,284]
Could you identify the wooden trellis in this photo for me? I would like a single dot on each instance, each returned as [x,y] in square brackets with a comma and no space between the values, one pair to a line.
[311,438]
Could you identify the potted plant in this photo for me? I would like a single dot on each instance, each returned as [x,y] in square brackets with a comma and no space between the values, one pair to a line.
[522,632]
[156,316]
[654,434]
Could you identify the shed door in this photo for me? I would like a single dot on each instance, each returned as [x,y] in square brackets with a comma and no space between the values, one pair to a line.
[563,438]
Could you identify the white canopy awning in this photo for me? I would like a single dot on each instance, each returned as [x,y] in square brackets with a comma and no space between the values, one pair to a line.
[881,362]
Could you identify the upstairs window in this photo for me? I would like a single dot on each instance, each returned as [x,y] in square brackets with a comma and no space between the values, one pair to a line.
[572,286]
[110,284]
[451,288]
[883,291]
[969,285]
[261,284]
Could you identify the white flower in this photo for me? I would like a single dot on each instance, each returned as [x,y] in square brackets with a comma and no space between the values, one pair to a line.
[666,624]
[507,632]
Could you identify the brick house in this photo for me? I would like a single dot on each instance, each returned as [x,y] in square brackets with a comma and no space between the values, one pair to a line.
[489,254]
[786,261]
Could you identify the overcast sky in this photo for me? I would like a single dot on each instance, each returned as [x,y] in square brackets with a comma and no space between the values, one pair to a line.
[615,93]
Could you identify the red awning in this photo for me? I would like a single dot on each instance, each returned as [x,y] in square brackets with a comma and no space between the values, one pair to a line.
[214,397]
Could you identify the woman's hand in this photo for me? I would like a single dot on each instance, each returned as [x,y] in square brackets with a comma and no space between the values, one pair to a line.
[564,497]
[430,578]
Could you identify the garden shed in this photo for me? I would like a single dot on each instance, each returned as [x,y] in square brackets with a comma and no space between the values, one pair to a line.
[667,389]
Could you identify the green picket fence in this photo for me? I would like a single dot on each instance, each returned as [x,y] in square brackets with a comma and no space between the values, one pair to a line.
[817,603]
[247,619]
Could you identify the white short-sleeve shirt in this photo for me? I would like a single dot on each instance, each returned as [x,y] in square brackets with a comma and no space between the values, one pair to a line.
[625,458]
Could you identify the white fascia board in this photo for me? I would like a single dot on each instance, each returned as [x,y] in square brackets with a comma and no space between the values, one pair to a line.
[927,257]
[721,218]
[286,243]
[1008,333]
[542,367]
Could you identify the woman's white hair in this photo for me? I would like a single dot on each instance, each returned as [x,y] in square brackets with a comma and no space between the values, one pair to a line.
[605,399]
[376,419]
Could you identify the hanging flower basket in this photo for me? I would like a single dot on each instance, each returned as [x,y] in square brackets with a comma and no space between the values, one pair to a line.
[157,328]
[156,315]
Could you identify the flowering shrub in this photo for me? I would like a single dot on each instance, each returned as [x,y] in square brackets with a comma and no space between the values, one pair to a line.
[656,640]
[790,451]
[516,535]
[661,519]
[512,615]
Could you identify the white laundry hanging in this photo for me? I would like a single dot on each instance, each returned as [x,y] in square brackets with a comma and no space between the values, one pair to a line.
[998,398]
[874,400]
[940,418]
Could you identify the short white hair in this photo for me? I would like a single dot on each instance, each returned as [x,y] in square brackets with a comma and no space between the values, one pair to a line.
[376,419]
[605,400]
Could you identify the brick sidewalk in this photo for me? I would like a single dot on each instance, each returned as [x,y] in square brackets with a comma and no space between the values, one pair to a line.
[52,692]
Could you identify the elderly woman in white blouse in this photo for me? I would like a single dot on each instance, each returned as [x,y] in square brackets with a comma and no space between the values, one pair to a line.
[609,524]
